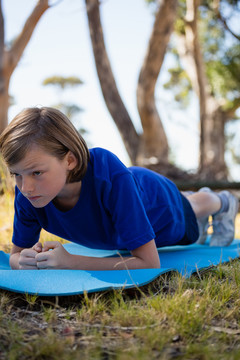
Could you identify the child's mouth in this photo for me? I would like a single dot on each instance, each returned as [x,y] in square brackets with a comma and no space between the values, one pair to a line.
[34,198]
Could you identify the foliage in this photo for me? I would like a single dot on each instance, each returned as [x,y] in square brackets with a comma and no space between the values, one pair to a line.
[69,109]
[63,82]
[181,83]
[221,54]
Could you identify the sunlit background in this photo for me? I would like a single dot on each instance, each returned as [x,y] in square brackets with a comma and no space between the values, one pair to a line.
[61,46]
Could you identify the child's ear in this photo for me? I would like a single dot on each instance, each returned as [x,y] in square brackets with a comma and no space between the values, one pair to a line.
[71,160]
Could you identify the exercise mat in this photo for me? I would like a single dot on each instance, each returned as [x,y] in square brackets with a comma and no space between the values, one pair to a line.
[184,259]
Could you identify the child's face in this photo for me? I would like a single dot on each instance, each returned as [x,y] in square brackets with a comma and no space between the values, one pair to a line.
[41,177]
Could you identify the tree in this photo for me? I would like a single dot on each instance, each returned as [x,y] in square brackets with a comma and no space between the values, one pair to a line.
[110,92]
[208,63]
[153,143]
[9,57]
[63,82]
[200,60]
[154,140]
[69,109]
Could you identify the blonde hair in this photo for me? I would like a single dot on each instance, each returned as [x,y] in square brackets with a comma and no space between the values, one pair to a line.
[48,128]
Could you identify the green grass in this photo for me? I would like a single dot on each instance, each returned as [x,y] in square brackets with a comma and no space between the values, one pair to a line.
[172,318]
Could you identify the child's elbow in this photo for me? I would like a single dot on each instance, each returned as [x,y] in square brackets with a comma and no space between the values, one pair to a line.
[157,264]
[154,264]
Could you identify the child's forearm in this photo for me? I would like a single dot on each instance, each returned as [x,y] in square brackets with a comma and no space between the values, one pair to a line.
[78,262]
[145,256]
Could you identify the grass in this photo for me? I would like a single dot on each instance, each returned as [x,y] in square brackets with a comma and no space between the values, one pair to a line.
[172,318]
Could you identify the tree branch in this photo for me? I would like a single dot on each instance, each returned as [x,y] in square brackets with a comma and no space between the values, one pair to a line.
[224,22]
[215,6]
[154,137]
[162,30]
[231,112]
[108,85]
[22,40]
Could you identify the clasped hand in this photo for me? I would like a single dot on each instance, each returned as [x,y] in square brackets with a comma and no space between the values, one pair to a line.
[39,257]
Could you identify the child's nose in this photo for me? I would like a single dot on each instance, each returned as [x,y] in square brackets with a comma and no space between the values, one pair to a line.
[27,185]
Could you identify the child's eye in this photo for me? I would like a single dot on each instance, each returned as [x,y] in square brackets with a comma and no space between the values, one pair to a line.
[14,174]
[37,173]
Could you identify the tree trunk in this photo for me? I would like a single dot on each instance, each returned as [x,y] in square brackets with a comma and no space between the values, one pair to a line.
[154,139]
[3,80]
[212,120]
[108,85]
[212,145]
[10,58]
[4,103]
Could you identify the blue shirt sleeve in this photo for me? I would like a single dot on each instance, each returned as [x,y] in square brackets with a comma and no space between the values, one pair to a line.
[26,229]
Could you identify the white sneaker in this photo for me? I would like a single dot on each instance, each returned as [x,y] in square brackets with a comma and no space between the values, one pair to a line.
[224,223]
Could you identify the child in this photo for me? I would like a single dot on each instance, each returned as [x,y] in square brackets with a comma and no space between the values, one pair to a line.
[91,198]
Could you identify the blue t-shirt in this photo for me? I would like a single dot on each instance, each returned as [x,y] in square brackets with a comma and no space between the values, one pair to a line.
[118,208]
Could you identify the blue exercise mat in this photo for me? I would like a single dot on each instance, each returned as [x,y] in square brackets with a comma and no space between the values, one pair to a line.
[184,259]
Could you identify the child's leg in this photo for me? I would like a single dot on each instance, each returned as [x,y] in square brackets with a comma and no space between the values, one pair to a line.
[204,203]
[223,207]
[203,222]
